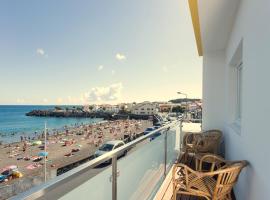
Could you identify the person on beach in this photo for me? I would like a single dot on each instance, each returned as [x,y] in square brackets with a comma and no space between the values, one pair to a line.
[24,146]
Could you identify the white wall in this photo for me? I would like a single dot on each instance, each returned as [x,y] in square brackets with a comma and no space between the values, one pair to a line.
[213,89]
[252,143]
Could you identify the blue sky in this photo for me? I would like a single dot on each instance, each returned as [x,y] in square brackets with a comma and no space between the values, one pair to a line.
[96,51]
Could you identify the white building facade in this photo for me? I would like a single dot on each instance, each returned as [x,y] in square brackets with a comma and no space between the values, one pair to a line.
[233,36]
[145,108]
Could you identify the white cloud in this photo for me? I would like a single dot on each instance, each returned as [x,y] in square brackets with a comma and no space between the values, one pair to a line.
[113,72]
[41,52]
[100,67]
[59,100]
[20,101]
[165,69]
[120,56]
[109,93]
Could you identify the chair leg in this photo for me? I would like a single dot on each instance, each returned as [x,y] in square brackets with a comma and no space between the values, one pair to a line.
[186,156]
[174,193]
[229,196]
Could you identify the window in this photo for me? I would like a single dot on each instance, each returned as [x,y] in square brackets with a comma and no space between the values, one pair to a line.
[118,145]
[235,89]
[239,78]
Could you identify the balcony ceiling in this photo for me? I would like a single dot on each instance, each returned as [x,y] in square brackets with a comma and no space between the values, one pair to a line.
[216,22]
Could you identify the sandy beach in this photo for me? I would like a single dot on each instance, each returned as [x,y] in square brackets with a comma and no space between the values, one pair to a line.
[64,148]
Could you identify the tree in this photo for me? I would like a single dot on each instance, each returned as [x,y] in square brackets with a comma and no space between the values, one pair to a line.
[178,109]
[57,108]
[79,108]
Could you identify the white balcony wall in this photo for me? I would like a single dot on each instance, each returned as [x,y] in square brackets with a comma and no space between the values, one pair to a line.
[250,139]
[213,89]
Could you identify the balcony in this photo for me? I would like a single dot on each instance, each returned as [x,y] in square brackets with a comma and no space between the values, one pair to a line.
[141,174]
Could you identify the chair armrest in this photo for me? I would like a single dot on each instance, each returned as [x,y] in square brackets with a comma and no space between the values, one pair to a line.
[187,173]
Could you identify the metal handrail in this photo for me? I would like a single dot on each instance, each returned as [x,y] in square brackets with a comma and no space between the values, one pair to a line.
[40,190]
[192,120]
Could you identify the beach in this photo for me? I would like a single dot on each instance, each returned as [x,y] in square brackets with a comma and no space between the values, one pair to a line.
[65,147]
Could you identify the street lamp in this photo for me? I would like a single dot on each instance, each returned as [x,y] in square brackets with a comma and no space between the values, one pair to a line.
[186,103]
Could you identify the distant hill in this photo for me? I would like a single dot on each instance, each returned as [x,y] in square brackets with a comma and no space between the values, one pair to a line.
[181,100]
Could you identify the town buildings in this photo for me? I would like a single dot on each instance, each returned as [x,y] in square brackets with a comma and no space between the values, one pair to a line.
[144,108]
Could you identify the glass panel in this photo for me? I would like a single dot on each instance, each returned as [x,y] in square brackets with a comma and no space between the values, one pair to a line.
[141,172]
[99,187]
[172,147]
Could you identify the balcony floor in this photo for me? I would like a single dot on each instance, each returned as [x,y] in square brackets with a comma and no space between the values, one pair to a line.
[166,190]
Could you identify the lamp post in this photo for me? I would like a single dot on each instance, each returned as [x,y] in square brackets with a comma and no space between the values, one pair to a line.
[186,103]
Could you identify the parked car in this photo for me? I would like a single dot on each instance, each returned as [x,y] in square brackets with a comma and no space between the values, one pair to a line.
[110,146]
[148,130]
[157,127]
[155,135]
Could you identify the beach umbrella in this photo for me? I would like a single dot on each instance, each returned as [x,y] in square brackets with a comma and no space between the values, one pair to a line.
[43,154]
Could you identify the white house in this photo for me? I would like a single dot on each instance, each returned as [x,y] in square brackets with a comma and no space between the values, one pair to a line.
[109,108]
[144,108]
[233,36]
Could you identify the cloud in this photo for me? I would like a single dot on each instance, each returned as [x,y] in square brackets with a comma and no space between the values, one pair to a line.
[100,67]
[41,52]
[45,100]
[59,100]
[110,93]
[165,69]
[20,101]
[120,56]
[113,72]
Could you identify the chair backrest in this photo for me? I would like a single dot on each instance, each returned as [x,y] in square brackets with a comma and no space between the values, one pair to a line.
[215,162]
[227,178]
[191,138]
[213,134]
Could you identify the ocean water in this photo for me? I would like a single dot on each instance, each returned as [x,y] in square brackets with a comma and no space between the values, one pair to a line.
[14,122]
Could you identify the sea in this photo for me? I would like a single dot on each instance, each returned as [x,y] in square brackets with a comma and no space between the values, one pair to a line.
[14,123]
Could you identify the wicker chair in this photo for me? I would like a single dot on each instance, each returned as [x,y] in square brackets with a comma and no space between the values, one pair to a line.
[215,185]
[211,161]
[213,138]
[206,142]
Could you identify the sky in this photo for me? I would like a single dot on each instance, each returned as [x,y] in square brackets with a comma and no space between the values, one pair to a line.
[97,51]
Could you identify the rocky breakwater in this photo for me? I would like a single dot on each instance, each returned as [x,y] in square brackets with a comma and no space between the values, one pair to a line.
[77,114]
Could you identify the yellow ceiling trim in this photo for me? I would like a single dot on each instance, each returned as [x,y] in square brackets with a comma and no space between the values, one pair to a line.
[193,6]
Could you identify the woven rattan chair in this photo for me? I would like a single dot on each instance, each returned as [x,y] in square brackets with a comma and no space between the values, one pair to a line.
[206,142]
[215,185]
[213,140]
[211,161]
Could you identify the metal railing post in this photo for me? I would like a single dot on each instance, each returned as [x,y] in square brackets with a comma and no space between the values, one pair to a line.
[181,135]
[114,177]
[165,152]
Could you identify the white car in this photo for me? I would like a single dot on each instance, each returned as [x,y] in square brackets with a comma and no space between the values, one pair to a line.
[109,146]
